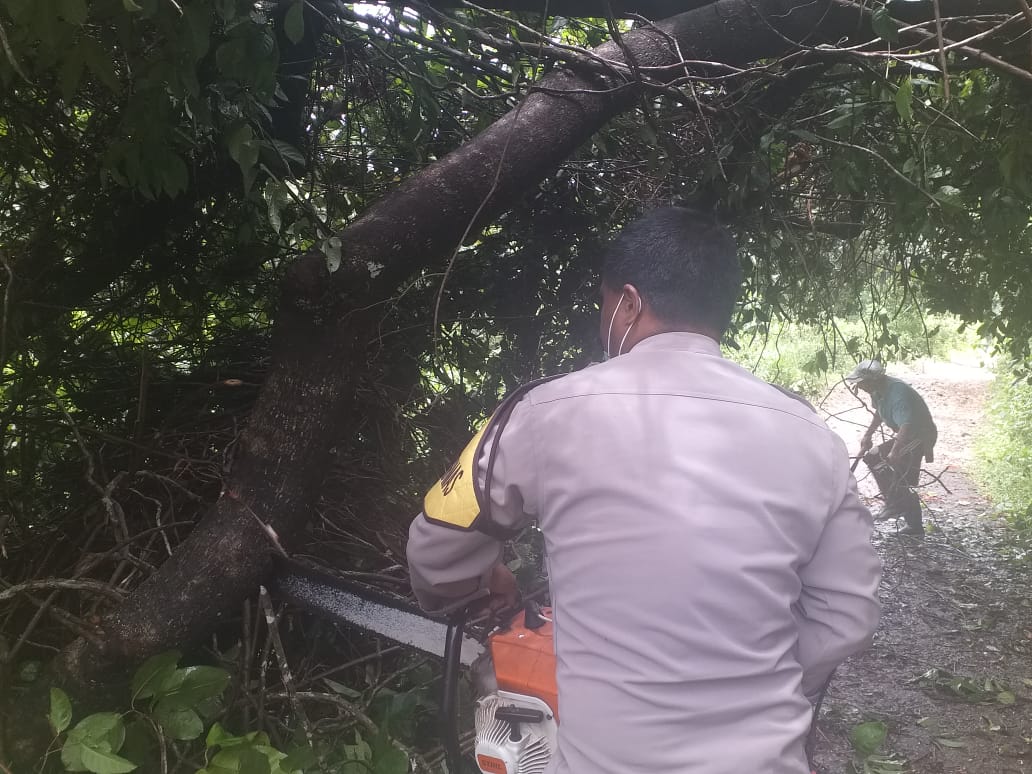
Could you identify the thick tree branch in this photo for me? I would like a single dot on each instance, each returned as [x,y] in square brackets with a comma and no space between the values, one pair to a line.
[427,215]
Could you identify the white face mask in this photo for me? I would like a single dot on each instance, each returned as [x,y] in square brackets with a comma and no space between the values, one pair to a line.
[606,355]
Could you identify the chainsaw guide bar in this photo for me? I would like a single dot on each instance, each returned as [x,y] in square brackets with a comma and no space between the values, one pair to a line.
[368,609]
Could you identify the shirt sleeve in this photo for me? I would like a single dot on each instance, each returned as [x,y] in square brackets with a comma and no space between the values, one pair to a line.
[838,607]
[449,567]
[903,410]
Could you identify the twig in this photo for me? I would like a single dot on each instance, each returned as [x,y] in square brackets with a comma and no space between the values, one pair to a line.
[937,479]
[385,681]
[165,479]
[66,619]
[394,27]
[262,676]
[7,304]
[114,510]
[247,640]
[354,662]
[1027,10]
[942,51]
[10,54]
[476,216]
[92,586]
[30,627]
[682,63]
[887,163]
[982,56]
[419,764]
[281,655]
[157,520]
[5,674]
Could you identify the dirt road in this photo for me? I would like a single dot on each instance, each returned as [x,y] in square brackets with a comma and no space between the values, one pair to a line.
[950,672]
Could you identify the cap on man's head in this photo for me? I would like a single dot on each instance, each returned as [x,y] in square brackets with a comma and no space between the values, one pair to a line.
[866,369]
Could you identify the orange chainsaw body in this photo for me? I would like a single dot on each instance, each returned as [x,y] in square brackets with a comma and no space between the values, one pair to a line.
[524,660]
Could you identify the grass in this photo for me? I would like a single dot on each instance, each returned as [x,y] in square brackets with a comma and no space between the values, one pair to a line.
[1003,450]
[809,359]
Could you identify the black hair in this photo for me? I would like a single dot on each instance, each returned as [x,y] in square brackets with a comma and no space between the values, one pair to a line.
[684,264]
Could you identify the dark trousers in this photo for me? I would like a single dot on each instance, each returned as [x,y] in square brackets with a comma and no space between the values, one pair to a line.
[895,481]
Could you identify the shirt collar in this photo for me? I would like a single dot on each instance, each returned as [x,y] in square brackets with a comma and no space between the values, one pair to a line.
[681,341]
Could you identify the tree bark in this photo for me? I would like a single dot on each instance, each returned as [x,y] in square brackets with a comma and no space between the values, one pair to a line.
[279,466]
[304,405]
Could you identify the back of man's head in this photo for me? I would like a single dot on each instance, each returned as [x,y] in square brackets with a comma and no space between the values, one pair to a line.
[683,263]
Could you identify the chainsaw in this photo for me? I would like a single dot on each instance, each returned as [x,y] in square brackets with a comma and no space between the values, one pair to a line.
[511,660]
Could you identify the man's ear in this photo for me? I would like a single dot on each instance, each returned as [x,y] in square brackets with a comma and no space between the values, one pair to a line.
[635,304]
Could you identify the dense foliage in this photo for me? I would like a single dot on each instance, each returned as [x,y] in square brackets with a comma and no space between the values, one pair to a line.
[164,161]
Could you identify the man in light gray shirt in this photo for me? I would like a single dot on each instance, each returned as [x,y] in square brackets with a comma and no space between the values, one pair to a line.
[709,560]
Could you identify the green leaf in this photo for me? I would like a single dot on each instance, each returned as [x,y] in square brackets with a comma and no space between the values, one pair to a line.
[243,148]
[73,11]
[217,737]
[177,721]
[71,73]
[884,26]
[100,727]
[255,761]
[130,6]
[101,732]
[294,22]
[300,758]
[71,756]
[904,100]
[99,62]
[288,153]
[153,673]
[226,9]
[208,708]
[197,18]
[1006,697]
[225,762]
[951,196]
[196,684]
[175,176]
[868,737]
[249,176]
[234,59]
[101,761]
[60,716]
[947,742]
[390,760]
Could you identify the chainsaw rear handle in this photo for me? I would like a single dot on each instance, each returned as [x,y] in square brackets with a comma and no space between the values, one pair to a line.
[450,691]
[457,618]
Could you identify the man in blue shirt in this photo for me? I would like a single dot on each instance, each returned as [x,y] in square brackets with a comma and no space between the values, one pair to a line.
[896,463]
